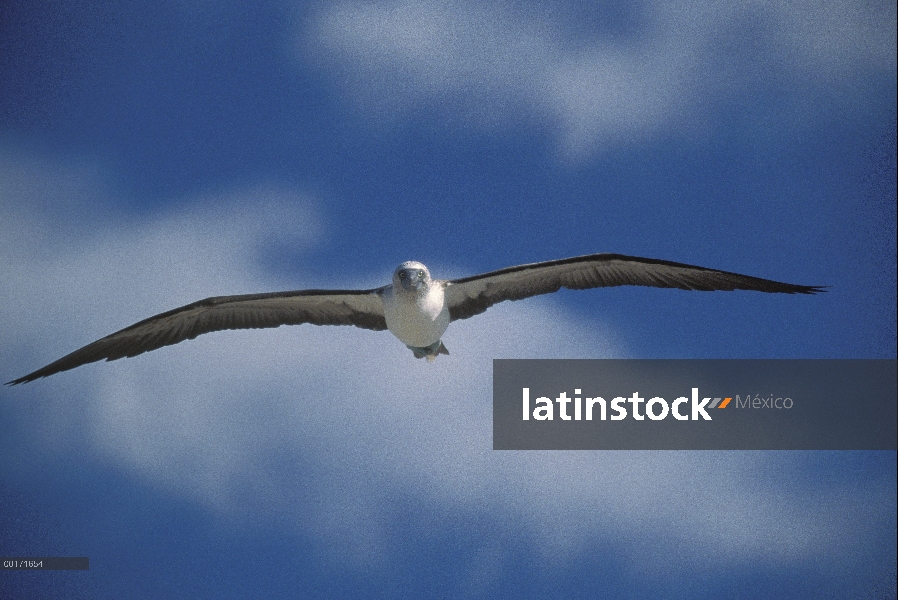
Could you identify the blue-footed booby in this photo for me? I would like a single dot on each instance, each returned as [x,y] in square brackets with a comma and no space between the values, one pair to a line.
[414,308]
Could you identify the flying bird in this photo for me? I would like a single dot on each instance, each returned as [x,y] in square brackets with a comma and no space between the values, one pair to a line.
[415,308]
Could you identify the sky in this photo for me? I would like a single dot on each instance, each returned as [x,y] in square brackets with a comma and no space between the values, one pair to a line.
[152,154]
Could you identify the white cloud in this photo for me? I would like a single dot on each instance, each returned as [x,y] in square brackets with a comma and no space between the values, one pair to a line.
[319,429]
[494,63]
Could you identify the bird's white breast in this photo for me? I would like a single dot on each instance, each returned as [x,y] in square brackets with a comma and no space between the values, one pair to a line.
[417,320]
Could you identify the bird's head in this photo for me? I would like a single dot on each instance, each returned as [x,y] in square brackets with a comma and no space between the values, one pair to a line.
[411,276]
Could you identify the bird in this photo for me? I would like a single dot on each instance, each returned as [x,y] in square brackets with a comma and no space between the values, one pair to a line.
[415,308]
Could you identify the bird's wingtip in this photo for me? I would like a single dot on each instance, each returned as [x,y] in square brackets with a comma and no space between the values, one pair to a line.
[26,378]
[816,289]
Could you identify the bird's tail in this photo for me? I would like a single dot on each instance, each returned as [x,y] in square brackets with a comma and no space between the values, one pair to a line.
[429,352]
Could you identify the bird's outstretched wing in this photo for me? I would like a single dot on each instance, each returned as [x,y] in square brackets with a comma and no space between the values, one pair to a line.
[471,296]
[362,308]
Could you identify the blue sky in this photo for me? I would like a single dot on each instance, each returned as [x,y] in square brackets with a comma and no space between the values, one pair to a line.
[152,154]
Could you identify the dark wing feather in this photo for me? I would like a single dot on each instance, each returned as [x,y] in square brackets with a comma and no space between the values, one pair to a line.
[362,308]
[471,296]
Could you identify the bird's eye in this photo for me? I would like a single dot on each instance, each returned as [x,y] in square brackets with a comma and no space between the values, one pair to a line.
[401,274]
[420,273]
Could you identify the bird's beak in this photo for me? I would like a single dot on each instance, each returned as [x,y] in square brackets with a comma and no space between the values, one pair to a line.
[412,281]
